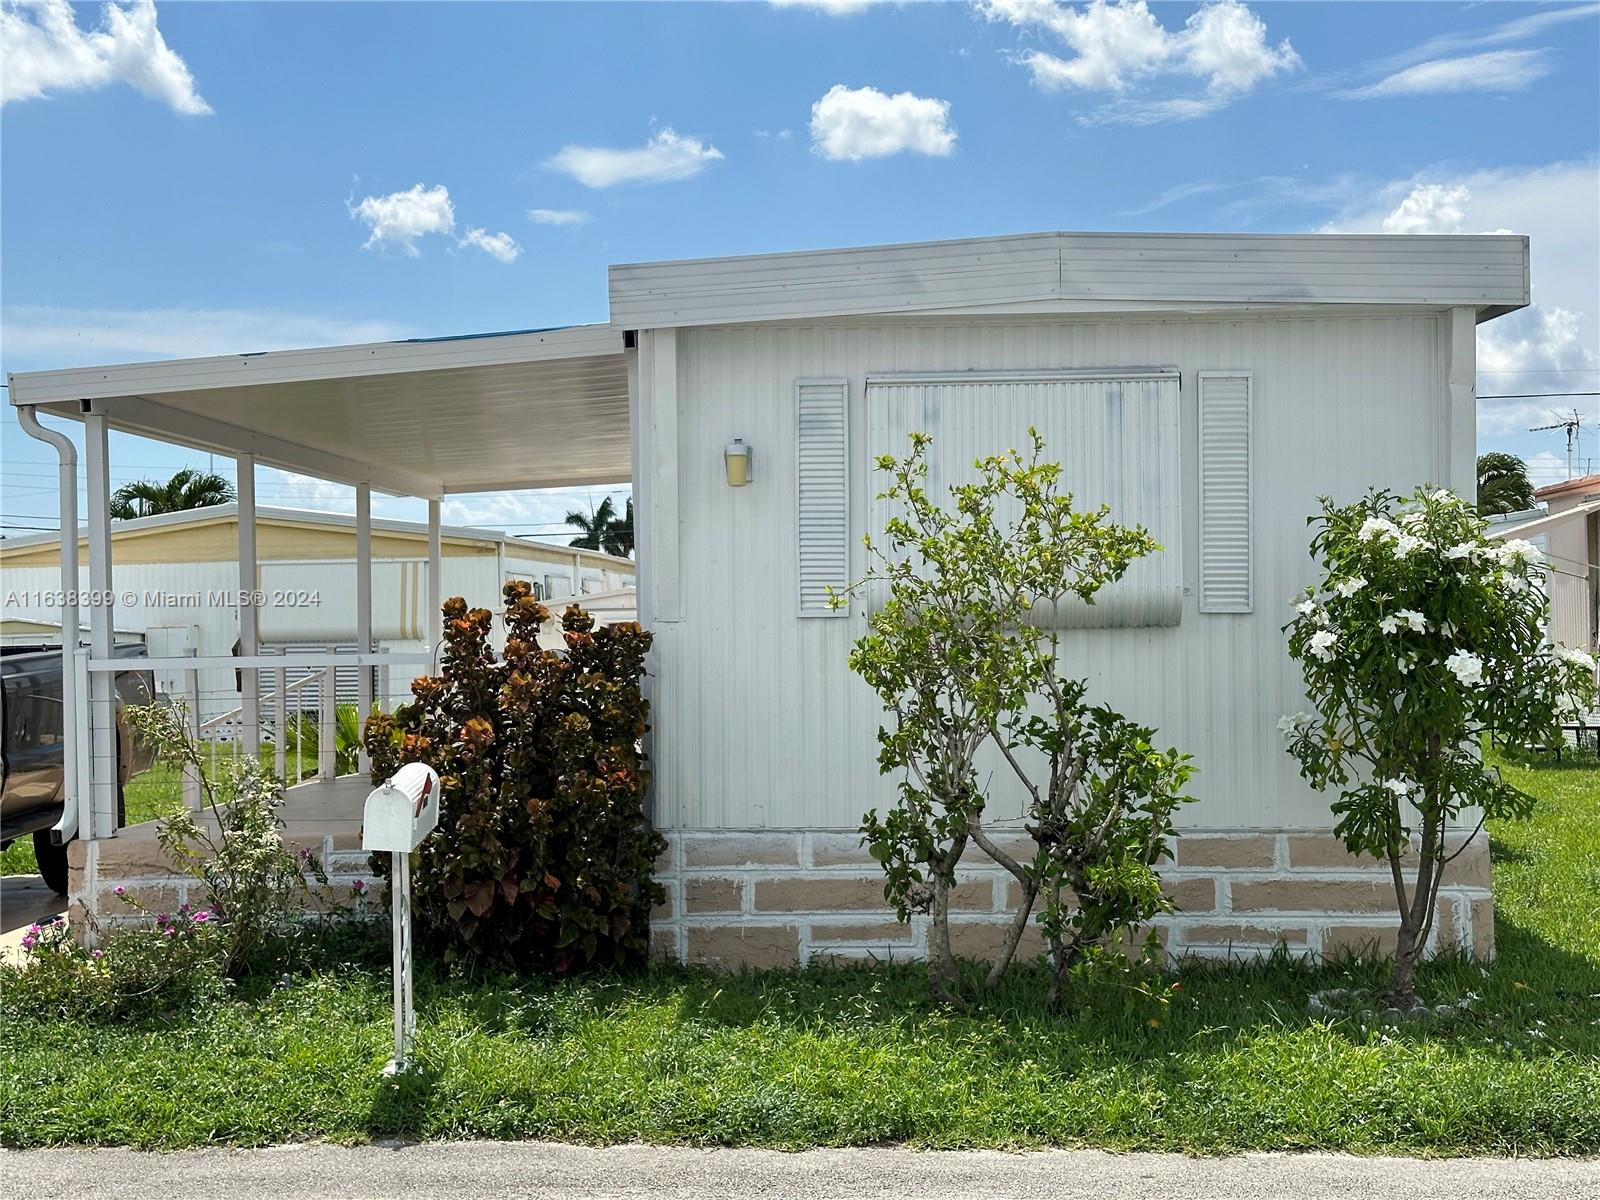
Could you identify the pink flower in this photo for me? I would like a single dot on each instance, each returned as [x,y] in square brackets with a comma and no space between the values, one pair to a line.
[358,886]
[201,917]
[119,890]
[169,931]
[99,953]
[28,940]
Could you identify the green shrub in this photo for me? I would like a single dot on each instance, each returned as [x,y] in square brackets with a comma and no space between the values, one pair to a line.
[168,969]
[542,858]
[256,885]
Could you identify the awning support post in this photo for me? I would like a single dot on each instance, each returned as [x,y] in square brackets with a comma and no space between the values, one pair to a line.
[364,607]
[249,613]
[435,625]
[104,763]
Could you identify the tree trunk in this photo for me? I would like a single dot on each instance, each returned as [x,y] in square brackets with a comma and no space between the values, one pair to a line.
[1416,918]
[943,977]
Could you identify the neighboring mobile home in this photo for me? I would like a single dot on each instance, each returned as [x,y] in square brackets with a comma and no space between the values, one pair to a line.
[172,567]
[1210,387]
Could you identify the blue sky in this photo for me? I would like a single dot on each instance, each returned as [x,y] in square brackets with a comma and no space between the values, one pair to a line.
[204,178]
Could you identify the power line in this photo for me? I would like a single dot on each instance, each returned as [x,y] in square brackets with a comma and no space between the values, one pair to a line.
[1535,395]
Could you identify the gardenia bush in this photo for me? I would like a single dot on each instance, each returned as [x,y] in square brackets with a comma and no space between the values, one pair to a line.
[1422,636]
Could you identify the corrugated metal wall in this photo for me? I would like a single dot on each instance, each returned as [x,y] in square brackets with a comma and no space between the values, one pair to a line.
[759,723]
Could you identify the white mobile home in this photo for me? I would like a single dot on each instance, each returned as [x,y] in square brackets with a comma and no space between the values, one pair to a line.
[1209,387]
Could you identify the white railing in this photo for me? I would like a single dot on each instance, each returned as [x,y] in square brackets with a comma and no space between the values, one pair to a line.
[298,719]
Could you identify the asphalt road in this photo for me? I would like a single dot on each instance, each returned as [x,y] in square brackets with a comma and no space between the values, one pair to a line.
[501,1169]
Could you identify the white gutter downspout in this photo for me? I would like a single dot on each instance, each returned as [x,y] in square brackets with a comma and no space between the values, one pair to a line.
[75,799]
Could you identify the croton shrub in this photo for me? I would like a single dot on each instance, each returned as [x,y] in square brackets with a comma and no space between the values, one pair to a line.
[542,860]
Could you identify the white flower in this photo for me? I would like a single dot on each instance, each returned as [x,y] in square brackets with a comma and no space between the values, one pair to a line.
[1374,528]
[1405,544]
[1400,787]
[1306,607]
[1461,550]
[1405,665]
[1408,617]
[1322,643]
[1517,551]
[1444,496]
[1411,520]
[1295,724]
[1466,667]
[1349,587]
[1577,658]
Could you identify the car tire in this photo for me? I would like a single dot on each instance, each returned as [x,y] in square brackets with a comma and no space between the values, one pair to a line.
[52,861]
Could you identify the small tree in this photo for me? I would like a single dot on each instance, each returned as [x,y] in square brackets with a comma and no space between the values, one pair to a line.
[955,655]
[1421,636]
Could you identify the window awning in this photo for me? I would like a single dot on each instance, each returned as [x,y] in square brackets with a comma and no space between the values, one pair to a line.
[489,412]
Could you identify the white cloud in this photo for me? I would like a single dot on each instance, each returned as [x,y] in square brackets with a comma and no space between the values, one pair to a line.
[501,246]
[46,51]
[1430,208]
[1491,71]
[285,489]
[1552,346]
[400,218]
[1117,47]
[540,513]
[856,123]
[665,158]
[60,337]
[1545,468]
[558,216]
[1226,44]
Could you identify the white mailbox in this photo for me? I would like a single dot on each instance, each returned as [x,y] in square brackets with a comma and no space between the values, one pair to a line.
[396,818]
[403,811]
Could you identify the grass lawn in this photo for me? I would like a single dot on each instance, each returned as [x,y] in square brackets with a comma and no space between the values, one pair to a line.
[851,1056]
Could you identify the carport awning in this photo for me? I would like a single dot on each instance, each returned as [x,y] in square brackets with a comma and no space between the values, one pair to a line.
[491,412]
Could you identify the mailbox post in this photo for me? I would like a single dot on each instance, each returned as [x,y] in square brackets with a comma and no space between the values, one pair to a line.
[396,817]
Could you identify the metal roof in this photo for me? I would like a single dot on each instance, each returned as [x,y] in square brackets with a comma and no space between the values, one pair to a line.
[483,413]
[1073,272]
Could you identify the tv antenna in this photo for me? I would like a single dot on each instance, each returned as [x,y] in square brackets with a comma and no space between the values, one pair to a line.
[1572,425]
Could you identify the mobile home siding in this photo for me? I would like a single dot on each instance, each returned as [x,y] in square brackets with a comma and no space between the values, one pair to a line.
[760,724]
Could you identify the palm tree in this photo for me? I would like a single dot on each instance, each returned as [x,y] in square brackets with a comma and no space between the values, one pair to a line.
[301,740]
[619,538]
[604,530]
[186,490]
[1503,485]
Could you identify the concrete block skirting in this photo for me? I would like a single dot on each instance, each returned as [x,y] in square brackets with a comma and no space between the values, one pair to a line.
[137,865]
[764,898]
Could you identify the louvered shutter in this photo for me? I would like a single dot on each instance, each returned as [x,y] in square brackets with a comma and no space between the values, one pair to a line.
[822,493]
[1225,491]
